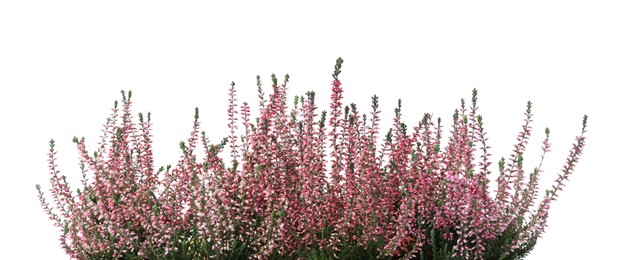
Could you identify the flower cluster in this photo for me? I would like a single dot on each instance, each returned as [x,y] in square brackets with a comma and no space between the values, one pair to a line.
[302,183]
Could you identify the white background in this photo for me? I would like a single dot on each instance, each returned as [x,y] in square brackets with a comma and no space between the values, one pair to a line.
[63,63]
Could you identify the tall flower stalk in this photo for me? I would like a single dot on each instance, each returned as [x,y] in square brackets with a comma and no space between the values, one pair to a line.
[298,182]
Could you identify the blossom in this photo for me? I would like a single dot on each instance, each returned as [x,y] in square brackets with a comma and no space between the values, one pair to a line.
[298,181]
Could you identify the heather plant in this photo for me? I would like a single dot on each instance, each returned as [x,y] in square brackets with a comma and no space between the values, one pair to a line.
[299,183]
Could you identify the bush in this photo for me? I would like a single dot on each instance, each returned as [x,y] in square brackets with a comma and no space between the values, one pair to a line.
[299,184]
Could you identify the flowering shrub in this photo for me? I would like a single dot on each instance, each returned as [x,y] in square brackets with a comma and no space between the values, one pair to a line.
[297,183]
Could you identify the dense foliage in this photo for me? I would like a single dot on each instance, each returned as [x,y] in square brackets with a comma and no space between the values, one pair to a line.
[296,183]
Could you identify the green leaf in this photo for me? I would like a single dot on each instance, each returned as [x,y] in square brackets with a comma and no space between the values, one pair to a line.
[65,228]
[118,198]
[93,198]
